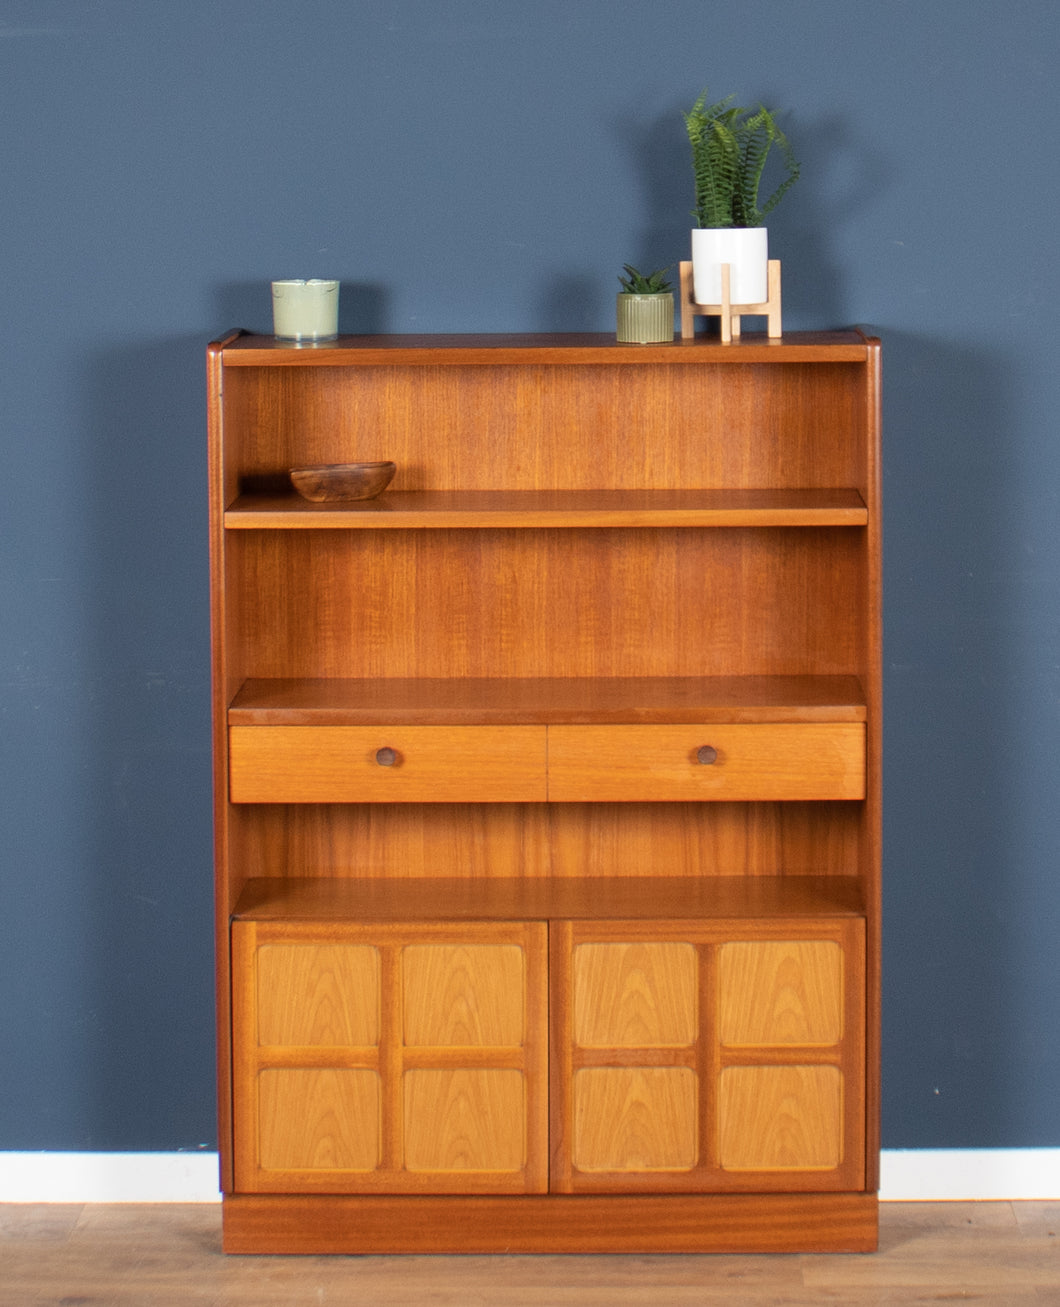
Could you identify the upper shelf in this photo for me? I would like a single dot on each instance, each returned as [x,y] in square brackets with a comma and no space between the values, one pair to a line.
[245,350]
[555,508]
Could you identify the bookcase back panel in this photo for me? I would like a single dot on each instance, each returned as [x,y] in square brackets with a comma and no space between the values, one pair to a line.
[458,603]
[570,840]
[549,427]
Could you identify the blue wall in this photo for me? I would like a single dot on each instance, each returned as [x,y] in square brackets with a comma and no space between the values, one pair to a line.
[488,165]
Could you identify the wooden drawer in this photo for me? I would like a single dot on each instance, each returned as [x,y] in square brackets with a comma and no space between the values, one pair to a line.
[379,764]
[729,762]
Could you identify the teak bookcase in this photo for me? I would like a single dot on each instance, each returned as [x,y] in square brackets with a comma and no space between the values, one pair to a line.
[548,794]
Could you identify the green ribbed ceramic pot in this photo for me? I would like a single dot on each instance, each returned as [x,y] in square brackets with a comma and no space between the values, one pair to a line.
[645,319]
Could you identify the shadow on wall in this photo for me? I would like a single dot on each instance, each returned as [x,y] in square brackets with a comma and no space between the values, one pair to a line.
[144,784]
[570,301]
[577,299]
[842,178]
[659,157]
[958,769]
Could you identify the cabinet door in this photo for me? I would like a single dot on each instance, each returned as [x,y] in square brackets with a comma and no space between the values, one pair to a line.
[398,1059]
[717,1057]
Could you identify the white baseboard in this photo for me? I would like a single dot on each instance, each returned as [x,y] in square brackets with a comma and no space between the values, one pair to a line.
[912,1175]
[969,1174]
[109,1178]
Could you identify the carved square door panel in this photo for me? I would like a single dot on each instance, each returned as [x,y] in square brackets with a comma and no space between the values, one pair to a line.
[390,1059]
[708,1057]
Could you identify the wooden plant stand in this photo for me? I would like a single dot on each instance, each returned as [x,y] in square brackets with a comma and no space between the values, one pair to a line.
[729,313]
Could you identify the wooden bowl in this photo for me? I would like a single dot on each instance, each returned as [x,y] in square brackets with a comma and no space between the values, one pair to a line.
[328,481]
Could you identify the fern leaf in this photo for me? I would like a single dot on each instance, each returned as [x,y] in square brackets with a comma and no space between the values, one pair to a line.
[730,147]
[759,131]
[793,168]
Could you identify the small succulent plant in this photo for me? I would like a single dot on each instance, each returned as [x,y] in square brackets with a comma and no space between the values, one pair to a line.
[637,283]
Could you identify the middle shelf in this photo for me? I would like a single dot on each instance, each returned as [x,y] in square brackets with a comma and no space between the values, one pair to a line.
[512,701]
[588,739]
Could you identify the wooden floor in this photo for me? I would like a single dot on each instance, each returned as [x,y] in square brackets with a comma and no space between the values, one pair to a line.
[1006,1254]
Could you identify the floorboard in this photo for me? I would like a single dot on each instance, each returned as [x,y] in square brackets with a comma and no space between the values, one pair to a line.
[162,1255]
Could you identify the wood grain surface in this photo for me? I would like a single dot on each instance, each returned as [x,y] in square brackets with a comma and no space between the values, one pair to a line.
[482,713]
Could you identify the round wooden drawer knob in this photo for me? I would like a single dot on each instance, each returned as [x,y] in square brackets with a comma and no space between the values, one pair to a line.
[707,755]
[387,757]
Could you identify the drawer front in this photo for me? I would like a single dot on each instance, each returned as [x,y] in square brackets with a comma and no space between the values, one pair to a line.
[379,764]
[726,762]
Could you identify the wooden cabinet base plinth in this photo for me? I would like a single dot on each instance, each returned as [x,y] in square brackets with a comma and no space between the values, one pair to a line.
[741,1223]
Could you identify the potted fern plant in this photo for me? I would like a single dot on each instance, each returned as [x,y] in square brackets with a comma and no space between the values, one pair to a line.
[730,148]
[644,307]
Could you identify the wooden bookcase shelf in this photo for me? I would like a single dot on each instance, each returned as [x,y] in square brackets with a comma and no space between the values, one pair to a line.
[547,792]
[471,701]
[565,349]
[545,898]
[513,509]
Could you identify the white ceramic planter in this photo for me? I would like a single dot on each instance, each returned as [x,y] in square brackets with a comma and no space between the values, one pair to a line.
[644,319]
[744,249]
